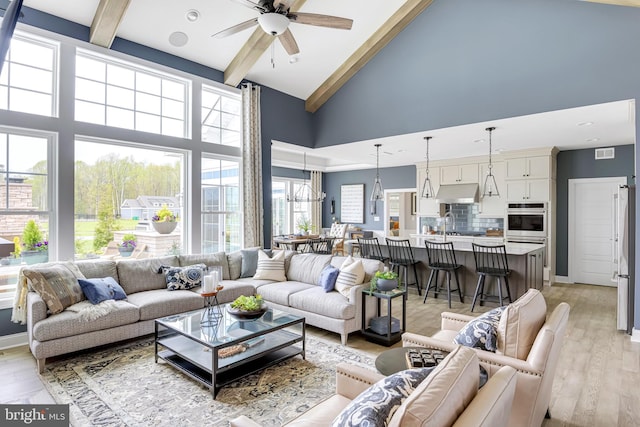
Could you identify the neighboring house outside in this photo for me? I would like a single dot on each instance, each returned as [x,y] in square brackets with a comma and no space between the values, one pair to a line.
[145,207]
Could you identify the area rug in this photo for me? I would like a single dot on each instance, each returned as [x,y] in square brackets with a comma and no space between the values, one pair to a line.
[123,386]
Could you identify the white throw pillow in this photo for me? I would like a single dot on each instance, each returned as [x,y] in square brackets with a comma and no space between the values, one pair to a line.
[351,274]
[270,268]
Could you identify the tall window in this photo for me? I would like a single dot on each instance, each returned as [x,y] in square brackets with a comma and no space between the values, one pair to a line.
[25,196]
[288,216]
[220,117]
[28,82]
[123,95]
[119,187]
[221,209]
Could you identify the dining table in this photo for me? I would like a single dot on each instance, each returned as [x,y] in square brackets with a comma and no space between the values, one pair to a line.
[292,241]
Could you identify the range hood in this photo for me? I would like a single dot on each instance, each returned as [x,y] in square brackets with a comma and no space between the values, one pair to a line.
[458,193]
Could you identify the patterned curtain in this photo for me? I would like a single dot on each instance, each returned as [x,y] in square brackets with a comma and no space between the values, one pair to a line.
[316,207]
[252,166]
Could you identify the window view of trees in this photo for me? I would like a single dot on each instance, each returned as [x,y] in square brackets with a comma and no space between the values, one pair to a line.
[120,188]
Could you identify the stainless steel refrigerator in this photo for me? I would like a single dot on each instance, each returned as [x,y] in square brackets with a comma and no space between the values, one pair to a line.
[625,255]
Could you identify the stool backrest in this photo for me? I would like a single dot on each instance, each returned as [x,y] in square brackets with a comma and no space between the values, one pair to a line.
[440,254]
[490,259]
[370,248]
[400,251]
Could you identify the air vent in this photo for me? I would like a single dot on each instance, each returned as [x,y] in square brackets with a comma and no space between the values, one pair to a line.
[605,153]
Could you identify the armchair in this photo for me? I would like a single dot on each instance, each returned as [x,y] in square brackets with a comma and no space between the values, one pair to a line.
[526,342]
[449,396]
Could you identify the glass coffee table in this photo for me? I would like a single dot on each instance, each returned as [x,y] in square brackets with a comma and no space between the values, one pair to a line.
[220,352]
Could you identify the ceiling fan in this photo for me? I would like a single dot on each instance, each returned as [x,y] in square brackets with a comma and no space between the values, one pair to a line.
[275,17]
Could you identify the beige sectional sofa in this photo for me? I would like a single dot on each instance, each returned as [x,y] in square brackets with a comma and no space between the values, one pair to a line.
[149,299]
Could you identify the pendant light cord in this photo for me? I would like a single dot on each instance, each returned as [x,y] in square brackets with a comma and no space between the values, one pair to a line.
[490,129]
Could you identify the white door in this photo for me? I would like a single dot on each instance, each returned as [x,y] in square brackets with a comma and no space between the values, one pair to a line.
[592,254]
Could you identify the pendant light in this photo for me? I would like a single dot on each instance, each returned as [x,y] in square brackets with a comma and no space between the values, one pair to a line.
[490,187]
[305,193]
[427,189]
[377,193]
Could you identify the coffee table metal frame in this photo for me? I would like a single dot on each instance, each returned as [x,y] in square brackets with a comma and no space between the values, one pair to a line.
[193,348]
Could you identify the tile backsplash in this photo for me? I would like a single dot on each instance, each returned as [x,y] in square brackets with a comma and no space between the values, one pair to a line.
[466,219]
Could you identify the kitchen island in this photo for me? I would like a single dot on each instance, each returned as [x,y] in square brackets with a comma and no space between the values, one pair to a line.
[526,262]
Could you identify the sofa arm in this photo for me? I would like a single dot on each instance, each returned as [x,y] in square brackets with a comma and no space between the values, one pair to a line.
[453,321]
[491,361]
[243,421]
[351,380]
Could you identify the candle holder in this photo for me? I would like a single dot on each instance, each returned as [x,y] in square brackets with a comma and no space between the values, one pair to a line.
[212,312]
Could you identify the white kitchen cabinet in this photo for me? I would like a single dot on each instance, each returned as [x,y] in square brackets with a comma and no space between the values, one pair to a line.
[534,167]
[536,190]
[459,174]
[492,206]
[428,207]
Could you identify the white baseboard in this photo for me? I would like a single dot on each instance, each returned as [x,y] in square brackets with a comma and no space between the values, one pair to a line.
[15,340]
[635,335]
[562,279]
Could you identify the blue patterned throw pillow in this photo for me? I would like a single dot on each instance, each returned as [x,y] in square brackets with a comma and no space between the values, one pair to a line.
[376,405]
[101,289]
[481,332]
[183,277]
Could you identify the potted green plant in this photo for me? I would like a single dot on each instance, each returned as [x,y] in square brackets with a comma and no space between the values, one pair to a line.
[384,281]
[164,221]
[304,225]
[35,248]
[128,244]
[247,307]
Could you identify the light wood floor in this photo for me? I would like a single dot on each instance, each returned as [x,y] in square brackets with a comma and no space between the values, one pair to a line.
[597,380]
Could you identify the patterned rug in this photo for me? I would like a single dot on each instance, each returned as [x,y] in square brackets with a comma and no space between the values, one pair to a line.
[123,386]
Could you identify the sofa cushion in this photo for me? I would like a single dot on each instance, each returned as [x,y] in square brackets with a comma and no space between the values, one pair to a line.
[186,277]
[376,405]
[57,284]
[232,289]
[370,266]
[270,268]
[101,289]
[280,292]
[159,303]
[444,394]
[328,278]
[316,300]
[68,323]
[481,332]
[234,260]
[520,323]
[98,268]
[351,274]
[250,261]
[307,268]
[218,258]
[139,275]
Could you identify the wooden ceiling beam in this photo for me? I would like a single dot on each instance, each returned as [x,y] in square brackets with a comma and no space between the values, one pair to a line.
[632,3]
[106,21]
[250,52]
[368,50]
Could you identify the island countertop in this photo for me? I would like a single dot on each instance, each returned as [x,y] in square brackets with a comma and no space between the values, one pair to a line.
[463,243]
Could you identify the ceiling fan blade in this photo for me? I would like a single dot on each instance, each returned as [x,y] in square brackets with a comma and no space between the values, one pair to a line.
[236,28]
[250,5]
[321,20]
[289,42]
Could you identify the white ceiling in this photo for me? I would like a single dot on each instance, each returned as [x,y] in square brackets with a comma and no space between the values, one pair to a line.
[323,50]
[601,125]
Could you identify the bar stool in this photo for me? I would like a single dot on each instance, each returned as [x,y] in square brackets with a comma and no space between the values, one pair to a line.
[370,248]
[491,261]
[401,256]
[442,258]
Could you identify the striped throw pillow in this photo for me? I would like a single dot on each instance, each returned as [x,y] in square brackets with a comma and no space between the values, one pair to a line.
[270,268]
[351,274]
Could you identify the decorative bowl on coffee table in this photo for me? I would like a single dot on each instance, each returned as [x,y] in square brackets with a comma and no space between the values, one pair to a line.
[246,315]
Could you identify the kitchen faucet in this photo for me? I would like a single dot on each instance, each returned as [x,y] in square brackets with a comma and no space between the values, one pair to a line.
[453,224]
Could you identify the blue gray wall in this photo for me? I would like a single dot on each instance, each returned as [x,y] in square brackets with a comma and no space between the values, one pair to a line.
[582,164]
[398,177]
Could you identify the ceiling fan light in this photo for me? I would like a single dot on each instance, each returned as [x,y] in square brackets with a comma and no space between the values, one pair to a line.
[273,23]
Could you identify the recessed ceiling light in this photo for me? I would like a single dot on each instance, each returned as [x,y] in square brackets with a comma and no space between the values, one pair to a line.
[585,123]
[478,140]
[293,59]
[593,139]
[192,15]
[178,39]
